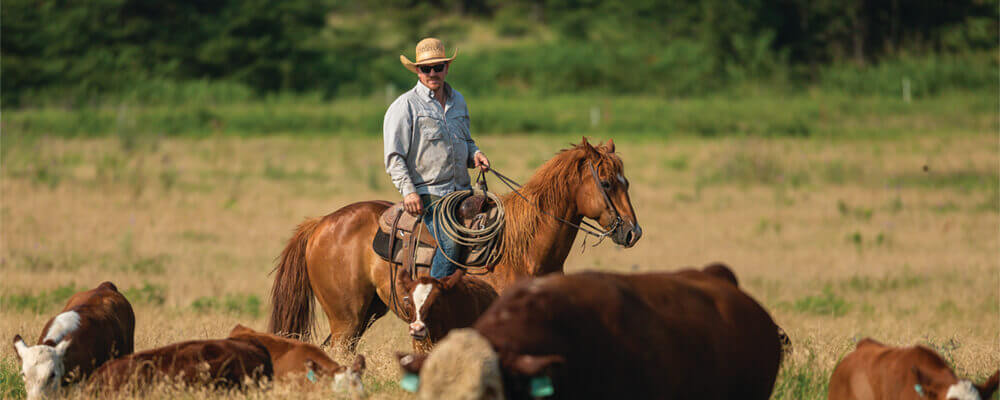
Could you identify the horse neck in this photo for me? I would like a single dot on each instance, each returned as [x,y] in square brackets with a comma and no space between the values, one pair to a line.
[536,243]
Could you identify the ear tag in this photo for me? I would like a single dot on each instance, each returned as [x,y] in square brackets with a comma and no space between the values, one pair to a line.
[410,382]
[541,386]
[919,389]
[311,376]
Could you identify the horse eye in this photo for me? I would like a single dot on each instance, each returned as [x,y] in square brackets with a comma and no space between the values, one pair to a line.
[606,185]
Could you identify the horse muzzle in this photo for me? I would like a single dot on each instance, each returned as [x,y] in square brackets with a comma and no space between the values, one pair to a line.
[627,237]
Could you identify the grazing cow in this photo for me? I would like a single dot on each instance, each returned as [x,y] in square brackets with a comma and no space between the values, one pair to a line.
[95,326]
[874,371]
[293,358]
[435,307]
[222,363]
[685,335]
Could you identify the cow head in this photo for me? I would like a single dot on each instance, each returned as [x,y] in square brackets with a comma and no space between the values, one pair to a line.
[931,386]
[41,366]
[348,379]
[421,300]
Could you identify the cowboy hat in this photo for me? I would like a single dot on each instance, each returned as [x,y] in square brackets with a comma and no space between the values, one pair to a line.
[429,51]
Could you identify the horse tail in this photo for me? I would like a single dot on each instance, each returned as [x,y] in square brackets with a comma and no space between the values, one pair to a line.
[292,293]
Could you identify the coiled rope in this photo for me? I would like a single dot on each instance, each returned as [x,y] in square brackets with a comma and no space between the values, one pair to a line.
[489,236]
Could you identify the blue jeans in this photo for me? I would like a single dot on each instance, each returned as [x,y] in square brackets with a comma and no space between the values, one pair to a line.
[440,266]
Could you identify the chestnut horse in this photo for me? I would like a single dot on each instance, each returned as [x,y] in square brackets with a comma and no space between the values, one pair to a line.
[332,256]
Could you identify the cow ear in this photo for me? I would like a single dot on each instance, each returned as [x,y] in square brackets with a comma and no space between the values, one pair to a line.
[311,365]
[403,278]
[359,364]
[238,329]
[411,363]
[991,385]
[19,346]
[451,280]
[63,346]
[530,365]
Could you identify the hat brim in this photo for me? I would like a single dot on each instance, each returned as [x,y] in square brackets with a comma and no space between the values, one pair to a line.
[412,66]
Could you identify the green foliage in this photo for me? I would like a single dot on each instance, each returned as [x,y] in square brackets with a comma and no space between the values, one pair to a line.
[826,303]
[37,303]
[233,303]
[905,280]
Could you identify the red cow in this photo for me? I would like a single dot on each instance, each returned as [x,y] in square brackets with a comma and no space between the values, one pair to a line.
[681,335]
[874,371]
[223,363]
[293,358]
[94,327]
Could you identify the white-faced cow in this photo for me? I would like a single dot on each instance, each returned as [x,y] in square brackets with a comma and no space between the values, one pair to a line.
[682,335]
[94,327]
[438,306]
[874,371]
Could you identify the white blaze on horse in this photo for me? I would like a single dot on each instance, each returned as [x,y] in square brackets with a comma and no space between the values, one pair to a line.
[95,326]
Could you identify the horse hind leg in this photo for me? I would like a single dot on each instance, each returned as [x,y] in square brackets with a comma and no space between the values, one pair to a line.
[348,323]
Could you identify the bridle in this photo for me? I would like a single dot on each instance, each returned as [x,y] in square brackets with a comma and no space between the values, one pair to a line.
[586,227]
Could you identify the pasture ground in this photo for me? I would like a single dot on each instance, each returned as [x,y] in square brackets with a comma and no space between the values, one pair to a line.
[839,238]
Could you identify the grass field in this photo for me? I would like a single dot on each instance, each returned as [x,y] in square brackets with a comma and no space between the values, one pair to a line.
[840,239]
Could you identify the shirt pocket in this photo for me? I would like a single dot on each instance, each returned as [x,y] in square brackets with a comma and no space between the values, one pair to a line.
[432,158]
[430,128]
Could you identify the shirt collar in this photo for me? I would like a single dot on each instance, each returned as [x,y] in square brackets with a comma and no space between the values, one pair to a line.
[428,94]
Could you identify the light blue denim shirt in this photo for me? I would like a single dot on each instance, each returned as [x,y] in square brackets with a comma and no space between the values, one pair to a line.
[428,149]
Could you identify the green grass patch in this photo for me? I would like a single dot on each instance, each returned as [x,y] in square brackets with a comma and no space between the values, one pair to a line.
[234,303]
[37,303]
[967,180]
[866,284]
[801,382]
[826,303]
[11,384]
[148,293]
[857,212]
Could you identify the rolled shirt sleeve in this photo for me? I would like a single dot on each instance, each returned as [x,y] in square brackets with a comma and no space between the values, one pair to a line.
[397,134]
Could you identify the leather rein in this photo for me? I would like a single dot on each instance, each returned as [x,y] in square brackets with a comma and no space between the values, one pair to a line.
[586,227]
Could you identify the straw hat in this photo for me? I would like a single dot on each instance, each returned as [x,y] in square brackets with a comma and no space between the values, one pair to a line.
[429,51]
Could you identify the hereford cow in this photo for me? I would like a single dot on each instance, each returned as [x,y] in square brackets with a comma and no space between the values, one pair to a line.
[874,371]
[681,335]
[94,327]
[435,307]
[295,359]
[223,363]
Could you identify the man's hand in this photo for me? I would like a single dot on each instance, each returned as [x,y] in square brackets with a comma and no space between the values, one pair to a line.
[481,161]
[412,204]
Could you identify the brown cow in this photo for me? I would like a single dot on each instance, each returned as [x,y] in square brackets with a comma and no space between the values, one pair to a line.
[94,327]
[687,334]
[438,306]
[222,363]
[874,371]
[293,358]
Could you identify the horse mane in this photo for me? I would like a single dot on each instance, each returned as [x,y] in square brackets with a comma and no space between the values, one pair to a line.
[550,187]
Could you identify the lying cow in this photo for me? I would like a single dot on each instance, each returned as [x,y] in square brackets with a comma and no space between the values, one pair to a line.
[438,306]
[95,326]
[874,371]
[223,363]
[295,359]
[685,335]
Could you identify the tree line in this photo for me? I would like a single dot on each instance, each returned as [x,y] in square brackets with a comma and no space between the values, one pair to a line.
[79,50]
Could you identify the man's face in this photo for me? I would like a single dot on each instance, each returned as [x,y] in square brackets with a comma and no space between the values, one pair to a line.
[434,80]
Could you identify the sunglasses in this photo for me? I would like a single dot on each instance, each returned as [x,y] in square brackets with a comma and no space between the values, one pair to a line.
[437,68]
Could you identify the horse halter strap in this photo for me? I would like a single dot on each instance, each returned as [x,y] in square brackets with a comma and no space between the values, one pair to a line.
[596,231]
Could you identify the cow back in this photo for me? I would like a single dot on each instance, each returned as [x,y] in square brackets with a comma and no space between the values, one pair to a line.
[289,356]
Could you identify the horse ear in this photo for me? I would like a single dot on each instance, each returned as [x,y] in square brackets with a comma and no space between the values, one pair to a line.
[609,147]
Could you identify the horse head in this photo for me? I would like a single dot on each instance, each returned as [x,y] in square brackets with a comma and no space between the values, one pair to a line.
[602,193]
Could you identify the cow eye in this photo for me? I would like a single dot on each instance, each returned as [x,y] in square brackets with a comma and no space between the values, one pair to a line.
[406,299]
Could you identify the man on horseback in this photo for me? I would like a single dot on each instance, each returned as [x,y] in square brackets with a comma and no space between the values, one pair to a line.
[427,142]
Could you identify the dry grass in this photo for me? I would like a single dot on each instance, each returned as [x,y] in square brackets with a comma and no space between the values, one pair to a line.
[839,239]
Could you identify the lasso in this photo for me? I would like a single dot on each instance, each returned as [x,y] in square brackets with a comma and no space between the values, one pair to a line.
[489,237]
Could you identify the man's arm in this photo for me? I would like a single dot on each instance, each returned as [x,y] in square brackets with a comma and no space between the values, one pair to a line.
[397,133]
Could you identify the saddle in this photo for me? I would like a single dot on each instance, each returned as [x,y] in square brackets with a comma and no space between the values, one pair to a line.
[404,239]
